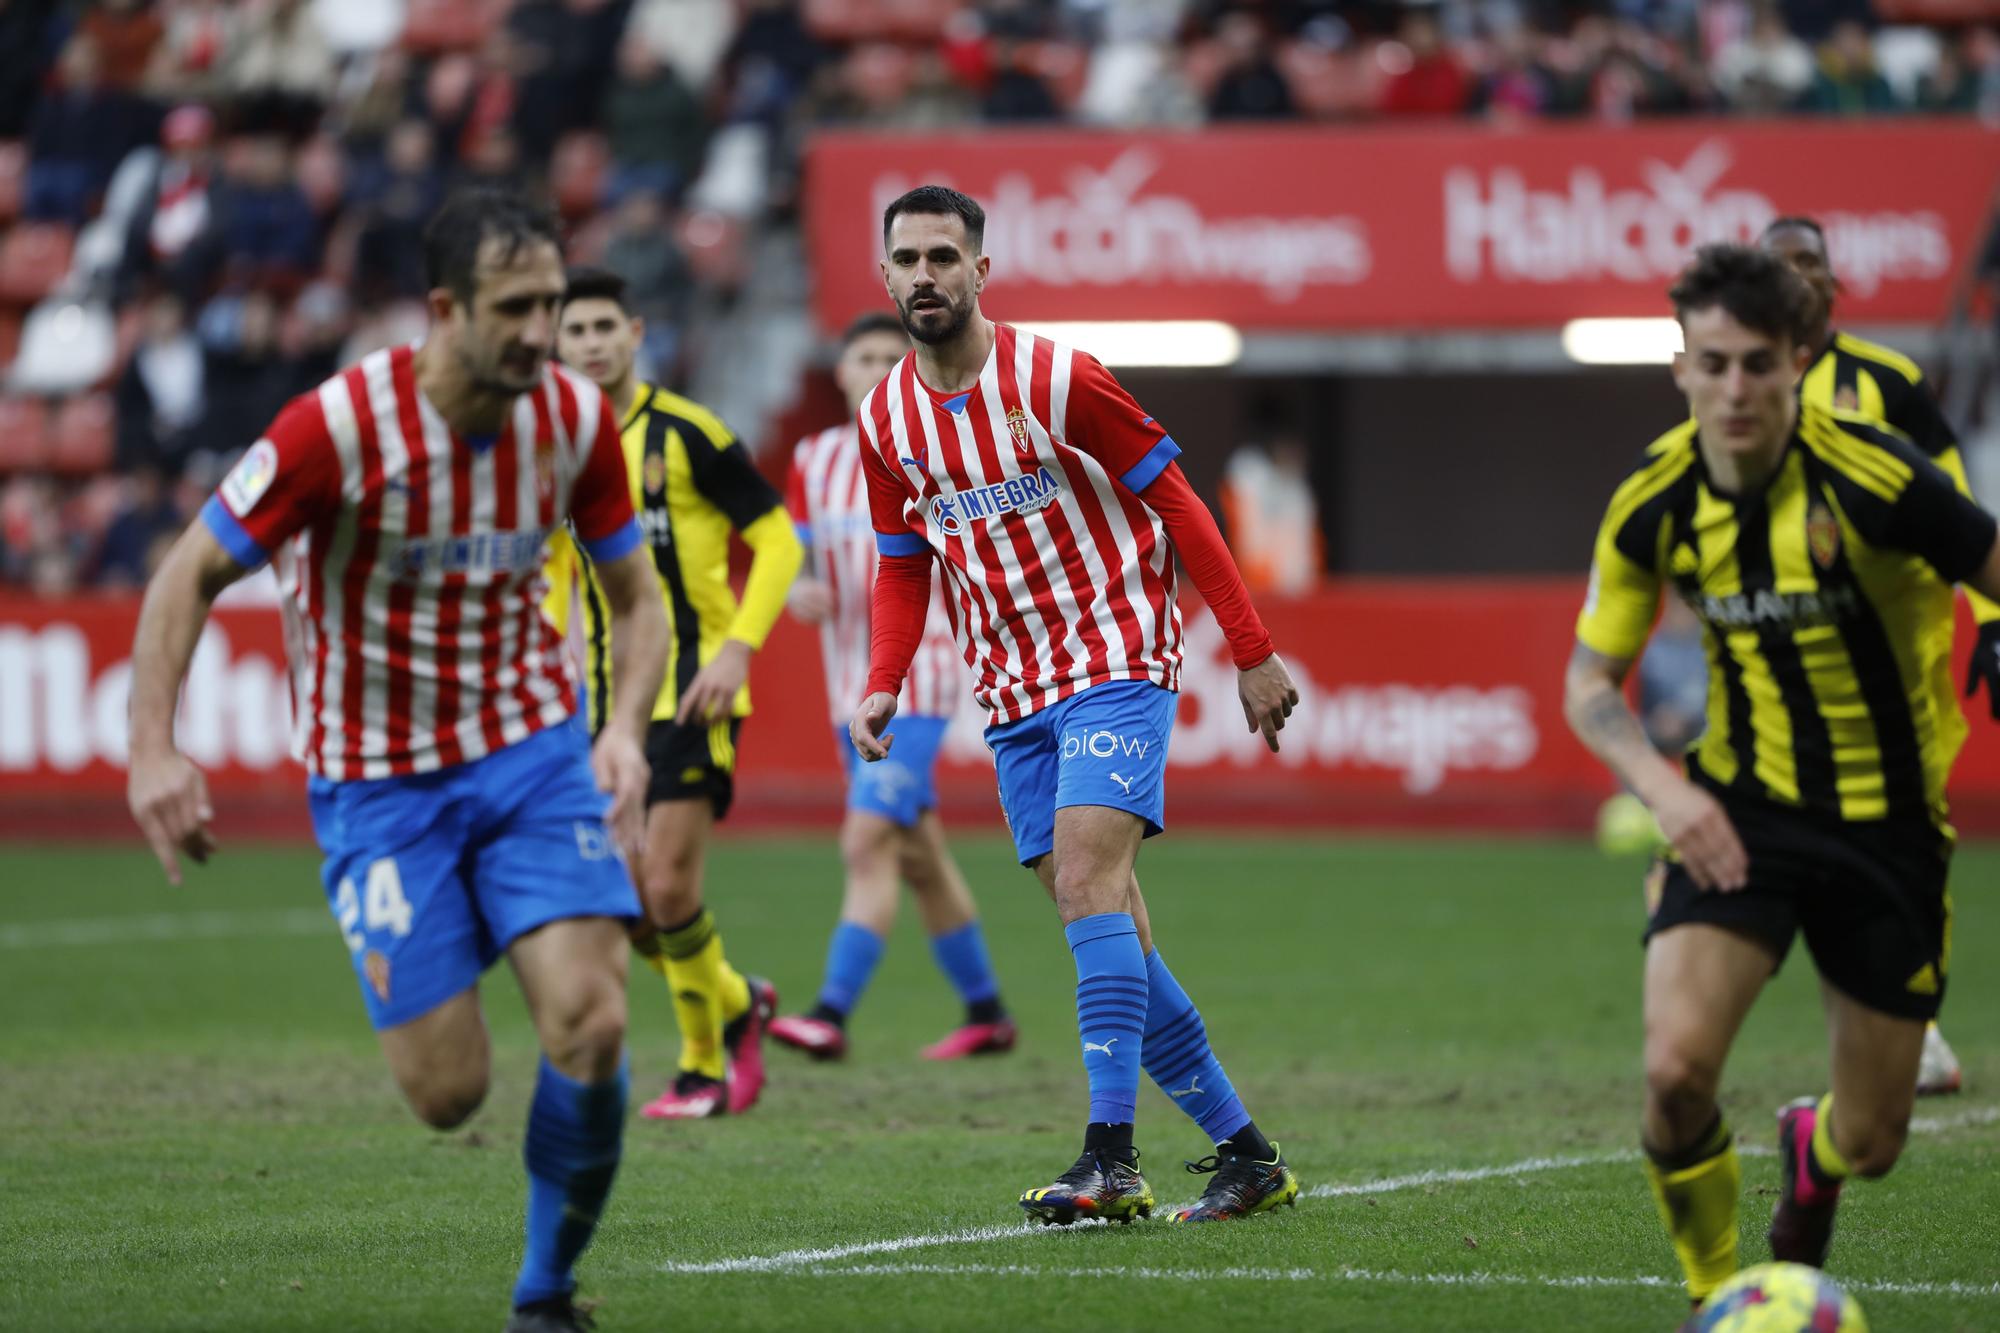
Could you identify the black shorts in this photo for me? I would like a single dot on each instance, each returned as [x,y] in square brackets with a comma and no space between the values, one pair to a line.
[1871,899]
[694,761]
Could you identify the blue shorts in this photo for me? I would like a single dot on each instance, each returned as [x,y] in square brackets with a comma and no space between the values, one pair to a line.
[432,876]
[903,785]
[1105,745]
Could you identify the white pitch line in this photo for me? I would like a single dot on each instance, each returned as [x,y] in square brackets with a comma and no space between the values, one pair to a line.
[164,926]
[812,1259]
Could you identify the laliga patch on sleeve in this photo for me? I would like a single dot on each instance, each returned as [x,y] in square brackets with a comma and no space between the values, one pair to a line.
[250,478]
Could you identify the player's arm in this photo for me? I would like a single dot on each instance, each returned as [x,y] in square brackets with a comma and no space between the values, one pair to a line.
[1611,633]
[1982,667]
[1102,418]
[283,482]
[897,604]
[809,599]
[603,527]
[724,474]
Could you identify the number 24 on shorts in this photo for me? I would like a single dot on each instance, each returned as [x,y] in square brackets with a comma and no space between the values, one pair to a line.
[381,906]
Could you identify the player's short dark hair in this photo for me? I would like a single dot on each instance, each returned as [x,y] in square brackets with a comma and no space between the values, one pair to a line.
[468,220]
[875,321]
[589,283]
[942,200]
[1794,222]
[1758,290]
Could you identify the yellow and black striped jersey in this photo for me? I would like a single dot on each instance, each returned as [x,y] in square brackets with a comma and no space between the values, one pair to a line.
[1882,384]
[1825,602]
[692,483]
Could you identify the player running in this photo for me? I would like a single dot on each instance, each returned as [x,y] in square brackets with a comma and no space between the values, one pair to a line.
[405,504]
[691,484]
[1819,552]
[1056,509]
[892,826]
[1884,385]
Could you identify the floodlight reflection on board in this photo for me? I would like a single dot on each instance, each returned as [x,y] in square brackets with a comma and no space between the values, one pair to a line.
[1622,342]
[1151,342]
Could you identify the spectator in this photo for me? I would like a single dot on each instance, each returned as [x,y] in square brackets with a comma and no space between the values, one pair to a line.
[658,282]
[187,63]
[1270,512]
[1767,69]
[159,397]
[1251,86]
[124,33]
[81,131]
[177,209]
[280,67]
[652,124]
[393,198]
[1017,93]
[246,377]
[24,60]
[1518,87]
[1429,79]
[1967,78]
[770,62]
[139,534]
[263,231]
[1847,83]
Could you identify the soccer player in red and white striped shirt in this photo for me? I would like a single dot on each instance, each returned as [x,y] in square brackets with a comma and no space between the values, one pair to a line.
[406,503]
[1055,509]
[892,824]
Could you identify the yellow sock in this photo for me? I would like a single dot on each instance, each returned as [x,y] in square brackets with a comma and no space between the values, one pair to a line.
[1828,1165]
[691,961]
[733,989]
[1697,1193]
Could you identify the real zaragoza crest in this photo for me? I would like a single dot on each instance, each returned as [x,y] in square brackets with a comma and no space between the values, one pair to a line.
[1822,535]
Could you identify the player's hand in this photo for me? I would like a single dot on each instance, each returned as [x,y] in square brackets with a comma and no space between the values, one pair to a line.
[1699,829]
[1983,668]
[712,692]
[618,762]
[869,722]
[169,798]
[810,600]
[1268,697]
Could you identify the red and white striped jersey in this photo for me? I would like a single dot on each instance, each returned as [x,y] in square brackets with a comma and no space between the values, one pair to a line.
[828,499]
[410,559]
[1058,576]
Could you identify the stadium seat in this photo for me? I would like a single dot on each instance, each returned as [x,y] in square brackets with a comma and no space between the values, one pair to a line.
[34,257]
[10,339]
[13,178]
[448,25]
[24,444]
[83,435]
[577,171]
[879,74]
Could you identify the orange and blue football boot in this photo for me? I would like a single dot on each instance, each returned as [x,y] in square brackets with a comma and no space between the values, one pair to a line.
[1102,1184]
[1240,1186]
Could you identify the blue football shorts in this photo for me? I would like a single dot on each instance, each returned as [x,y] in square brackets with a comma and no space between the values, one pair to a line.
[903,785]
[1105,745]
[432,876]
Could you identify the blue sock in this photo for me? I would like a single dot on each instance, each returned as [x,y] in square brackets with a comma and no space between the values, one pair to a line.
[1110,1010]
[574,1134]
[851,956]
[961,955]
[1178,1058]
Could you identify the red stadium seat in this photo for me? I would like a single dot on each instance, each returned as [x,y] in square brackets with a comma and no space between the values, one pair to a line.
[34,257]
[24,443]
[448,25]
[83,436]
[1063,66]
[13,178]
[879,74]
[10,337]
[577,171]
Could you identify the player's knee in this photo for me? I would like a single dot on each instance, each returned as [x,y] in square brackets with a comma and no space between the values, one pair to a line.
[1085,888]
[1679,1083]
[1871,1149]
[867,845]
[447,1104]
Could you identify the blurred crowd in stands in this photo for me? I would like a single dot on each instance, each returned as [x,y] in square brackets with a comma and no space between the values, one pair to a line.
[206,206]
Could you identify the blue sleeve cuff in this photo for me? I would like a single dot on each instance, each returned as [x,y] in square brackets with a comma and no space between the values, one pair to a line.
[900,543]
[805,532]
[616,546]
[235,539]
[1148,469]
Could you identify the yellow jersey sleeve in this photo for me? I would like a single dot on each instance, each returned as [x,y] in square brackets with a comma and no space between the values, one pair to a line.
[1622,601]
[775,556]
[561,570]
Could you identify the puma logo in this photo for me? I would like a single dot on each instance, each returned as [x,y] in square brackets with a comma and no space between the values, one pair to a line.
[1125,783]
[1193,1087]
[1105,1047]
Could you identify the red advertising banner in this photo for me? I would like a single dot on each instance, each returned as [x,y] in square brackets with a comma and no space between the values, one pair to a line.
[1425,703]
[1390,228]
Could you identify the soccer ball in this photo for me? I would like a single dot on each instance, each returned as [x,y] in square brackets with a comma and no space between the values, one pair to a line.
[1625,827]
[1779,1298]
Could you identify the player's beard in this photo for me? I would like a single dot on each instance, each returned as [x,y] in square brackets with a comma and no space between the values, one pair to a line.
[491,374]
[957,316]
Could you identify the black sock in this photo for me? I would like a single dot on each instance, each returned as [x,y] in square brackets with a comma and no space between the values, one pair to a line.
[985,1011]
[1248,1141]
[826,1013]
[1114,1139]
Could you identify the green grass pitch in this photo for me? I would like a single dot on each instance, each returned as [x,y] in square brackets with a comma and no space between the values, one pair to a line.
[196,1130]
